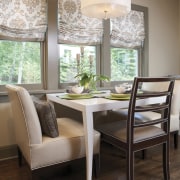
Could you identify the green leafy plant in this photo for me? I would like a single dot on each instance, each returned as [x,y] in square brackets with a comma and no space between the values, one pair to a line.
[89,80]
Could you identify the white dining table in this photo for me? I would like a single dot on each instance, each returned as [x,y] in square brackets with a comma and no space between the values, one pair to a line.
[87,107]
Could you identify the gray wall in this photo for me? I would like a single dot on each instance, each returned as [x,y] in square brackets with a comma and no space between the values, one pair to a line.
[163,36]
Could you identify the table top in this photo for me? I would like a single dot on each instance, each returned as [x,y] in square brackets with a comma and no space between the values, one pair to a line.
[93,104]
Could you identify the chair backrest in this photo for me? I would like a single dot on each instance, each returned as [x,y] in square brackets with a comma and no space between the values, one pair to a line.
[175,104]
[164,97]
[26,121]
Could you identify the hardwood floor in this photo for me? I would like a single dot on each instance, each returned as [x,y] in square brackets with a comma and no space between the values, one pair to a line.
[112,167]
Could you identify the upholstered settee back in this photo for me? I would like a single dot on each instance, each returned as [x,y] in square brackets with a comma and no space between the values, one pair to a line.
[175,104]
[26,121]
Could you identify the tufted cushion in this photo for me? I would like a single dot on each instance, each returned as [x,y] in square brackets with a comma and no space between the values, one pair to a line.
[47,117]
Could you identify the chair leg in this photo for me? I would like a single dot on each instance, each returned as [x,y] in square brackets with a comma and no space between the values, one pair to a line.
[176,140]
[34,176]
[166,161]
[96,165]
[130,165]
[144,153]
[19,157]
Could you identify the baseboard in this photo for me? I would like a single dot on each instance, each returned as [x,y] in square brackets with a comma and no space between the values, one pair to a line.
[8,152]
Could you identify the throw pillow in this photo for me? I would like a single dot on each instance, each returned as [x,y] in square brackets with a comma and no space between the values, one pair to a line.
[47,117]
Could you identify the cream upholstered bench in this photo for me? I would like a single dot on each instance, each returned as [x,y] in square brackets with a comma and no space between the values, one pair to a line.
[63,142]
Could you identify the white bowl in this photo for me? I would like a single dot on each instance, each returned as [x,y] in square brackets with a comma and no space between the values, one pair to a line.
[120,89]
[77,89]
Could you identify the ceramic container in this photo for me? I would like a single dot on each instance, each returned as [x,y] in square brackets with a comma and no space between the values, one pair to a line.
[77,89]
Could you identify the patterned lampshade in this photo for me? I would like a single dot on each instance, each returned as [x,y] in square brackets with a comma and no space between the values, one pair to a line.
[105,9]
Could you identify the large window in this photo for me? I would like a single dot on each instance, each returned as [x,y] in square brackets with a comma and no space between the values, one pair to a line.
[29,54]
[75,59]
[23,27]
[127,40]
[20,62]
[121,40]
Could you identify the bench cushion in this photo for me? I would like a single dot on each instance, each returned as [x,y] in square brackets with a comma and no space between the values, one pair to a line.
[69,145]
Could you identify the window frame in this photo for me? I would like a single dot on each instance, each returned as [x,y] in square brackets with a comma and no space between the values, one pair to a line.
[113,83]
[28,86]
[97,49]
[143,52]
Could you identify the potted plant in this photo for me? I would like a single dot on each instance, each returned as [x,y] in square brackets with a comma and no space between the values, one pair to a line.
[89,80]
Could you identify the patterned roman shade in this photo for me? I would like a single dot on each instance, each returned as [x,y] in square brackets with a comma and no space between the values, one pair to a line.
[128,31]
[23,19]
[75,28]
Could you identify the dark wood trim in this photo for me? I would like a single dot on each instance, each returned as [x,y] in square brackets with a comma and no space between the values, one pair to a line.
[8,152]
[175,138]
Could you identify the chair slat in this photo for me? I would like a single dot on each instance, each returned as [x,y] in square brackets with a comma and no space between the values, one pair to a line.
[151,108]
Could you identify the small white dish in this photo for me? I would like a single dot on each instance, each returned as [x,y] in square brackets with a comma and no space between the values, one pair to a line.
[120,89]
[77,89]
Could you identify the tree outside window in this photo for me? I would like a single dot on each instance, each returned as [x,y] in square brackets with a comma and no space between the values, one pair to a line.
[20,62]
[75,59]
[124,64]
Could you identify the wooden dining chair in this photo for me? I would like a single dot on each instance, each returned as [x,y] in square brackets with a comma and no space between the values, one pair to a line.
[118,114]
[131,135]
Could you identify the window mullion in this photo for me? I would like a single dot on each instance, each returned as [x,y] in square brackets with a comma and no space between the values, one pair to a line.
[105,51]
[52,71]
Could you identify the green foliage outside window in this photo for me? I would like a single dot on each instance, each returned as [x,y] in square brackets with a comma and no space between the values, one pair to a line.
[70,66]
[124,64]
[20,62]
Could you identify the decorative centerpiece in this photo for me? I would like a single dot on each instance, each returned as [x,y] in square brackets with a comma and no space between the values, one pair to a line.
[89,80]
[85,75]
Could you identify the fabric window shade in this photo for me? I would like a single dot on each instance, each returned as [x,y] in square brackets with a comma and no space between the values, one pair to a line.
[128,31]
[75,28]
[23,19]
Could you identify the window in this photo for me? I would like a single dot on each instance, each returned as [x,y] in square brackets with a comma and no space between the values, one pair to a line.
[22,32]
[74,31]
[75,59]
[124,64]
[127,39]
[20,62]
[122,42]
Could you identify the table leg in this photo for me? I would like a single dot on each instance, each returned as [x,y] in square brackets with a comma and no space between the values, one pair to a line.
[88,130]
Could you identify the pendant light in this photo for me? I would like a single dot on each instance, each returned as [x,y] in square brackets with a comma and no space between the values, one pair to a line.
[105,9]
